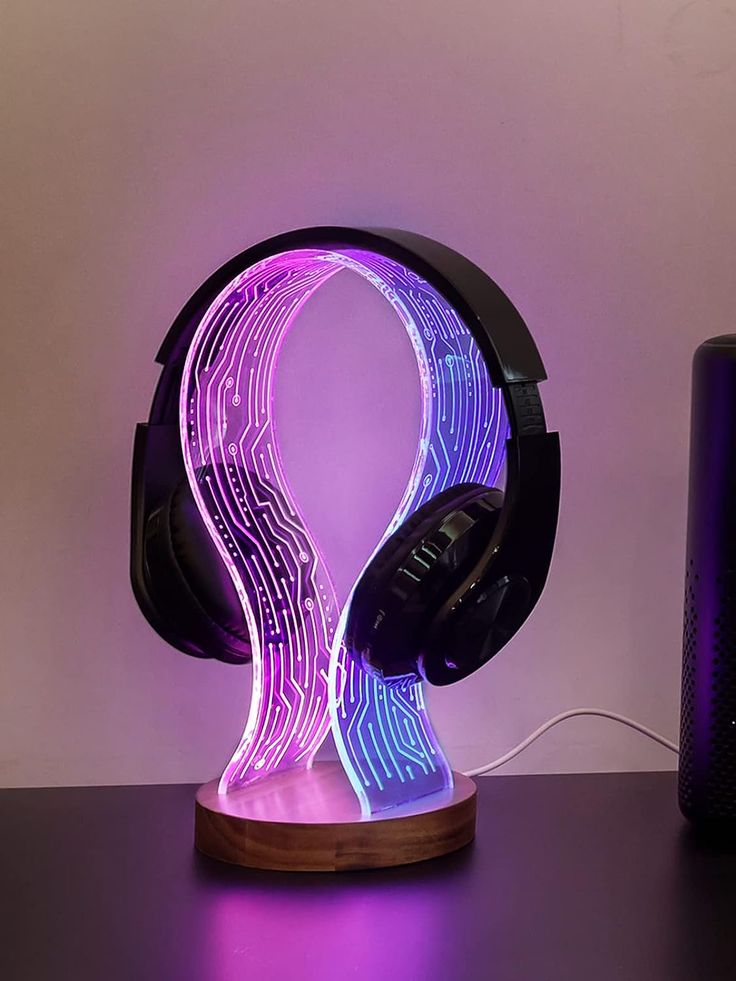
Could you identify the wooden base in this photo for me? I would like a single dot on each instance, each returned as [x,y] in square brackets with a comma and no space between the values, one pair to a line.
[310,821]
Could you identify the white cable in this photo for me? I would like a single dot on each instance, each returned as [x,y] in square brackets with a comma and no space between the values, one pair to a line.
[571,714]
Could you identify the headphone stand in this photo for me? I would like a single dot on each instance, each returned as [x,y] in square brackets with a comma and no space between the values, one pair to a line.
[310,821]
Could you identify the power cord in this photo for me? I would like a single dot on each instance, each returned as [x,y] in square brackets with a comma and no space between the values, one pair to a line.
[571,714]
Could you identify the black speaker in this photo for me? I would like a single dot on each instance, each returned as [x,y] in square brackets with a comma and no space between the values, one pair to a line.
[707,774]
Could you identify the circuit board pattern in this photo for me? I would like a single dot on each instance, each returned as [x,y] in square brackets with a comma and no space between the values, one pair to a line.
[304,680]
[383,734]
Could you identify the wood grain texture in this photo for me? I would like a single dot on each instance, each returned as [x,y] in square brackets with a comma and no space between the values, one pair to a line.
[310,821]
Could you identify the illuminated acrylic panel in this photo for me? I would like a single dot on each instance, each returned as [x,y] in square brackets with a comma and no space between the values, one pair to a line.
[304,679]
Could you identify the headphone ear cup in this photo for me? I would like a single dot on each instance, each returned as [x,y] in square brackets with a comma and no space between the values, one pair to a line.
[464,640]
[384,561]
[414,572]
[189,584]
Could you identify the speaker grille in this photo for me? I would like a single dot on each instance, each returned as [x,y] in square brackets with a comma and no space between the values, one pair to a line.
[707,780]
[722,743]
[687,707]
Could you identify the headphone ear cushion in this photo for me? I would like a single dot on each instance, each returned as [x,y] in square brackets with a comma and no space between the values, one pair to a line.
[190,584]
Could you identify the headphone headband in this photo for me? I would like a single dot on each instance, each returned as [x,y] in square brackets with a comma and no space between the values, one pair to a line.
[508,349]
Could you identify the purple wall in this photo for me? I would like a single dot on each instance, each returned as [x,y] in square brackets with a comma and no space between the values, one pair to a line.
[581,152]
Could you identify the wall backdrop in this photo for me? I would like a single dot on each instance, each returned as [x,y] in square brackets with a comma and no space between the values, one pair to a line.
[581,151]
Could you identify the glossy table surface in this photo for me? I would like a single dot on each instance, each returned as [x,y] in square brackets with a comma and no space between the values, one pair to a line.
[591,876]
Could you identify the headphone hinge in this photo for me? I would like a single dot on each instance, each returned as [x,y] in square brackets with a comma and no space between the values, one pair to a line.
[526,409]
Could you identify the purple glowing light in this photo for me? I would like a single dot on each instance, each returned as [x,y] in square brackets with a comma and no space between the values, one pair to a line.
[304,679]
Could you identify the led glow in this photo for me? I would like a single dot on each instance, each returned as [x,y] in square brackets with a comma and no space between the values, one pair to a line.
[304,679]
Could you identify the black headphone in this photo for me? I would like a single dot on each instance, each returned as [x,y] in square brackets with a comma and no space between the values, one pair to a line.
[447,590]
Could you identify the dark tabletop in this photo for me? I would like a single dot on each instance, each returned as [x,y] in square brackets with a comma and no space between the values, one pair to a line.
[589,877]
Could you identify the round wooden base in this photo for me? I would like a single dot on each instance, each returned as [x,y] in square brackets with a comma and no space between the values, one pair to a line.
[310,821]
